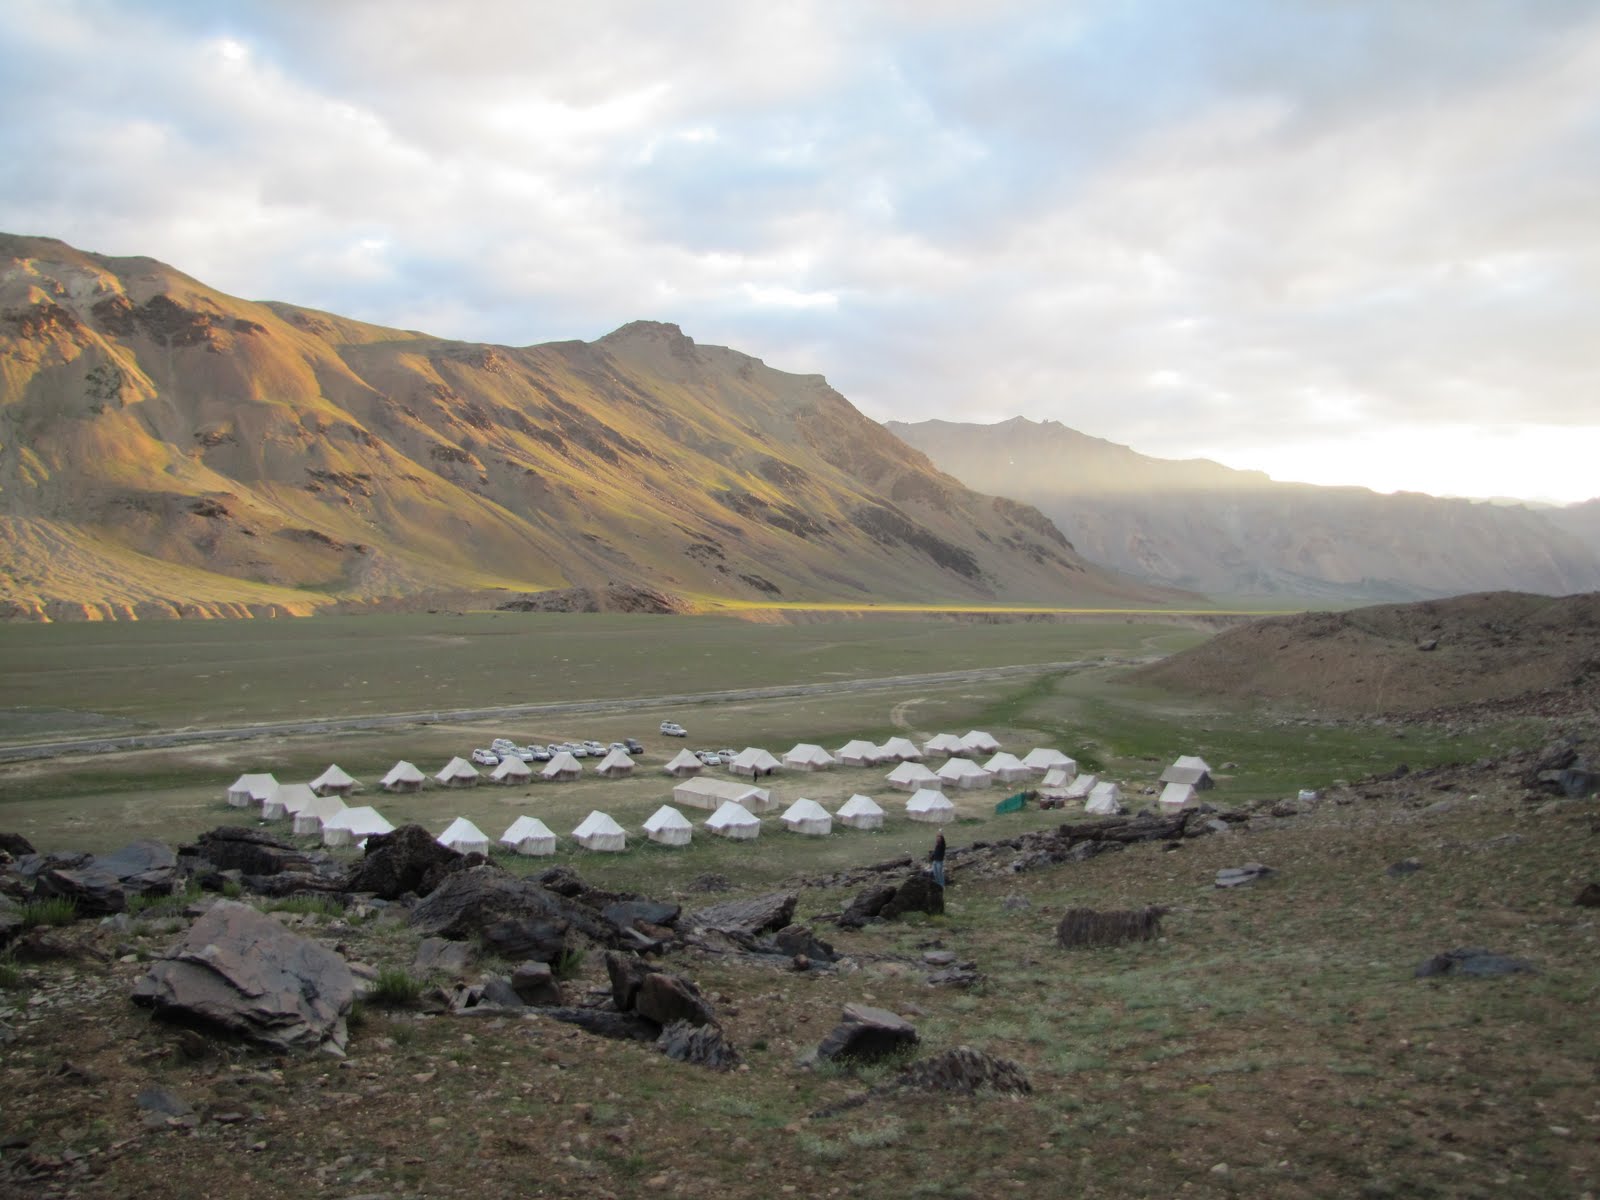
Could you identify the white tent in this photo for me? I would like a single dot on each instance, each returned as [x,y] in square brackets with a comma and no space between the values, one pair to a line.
[458,772]
[354,826]
[250,789]
[1192,760]
[403,777]
[333,782]
[1178,795]
[860,812]
[807,816]
[1057,777]
[979,742]
[1008,768]
[963,773]
[858,753]
[615,765]
[309,820]
[909,776]
[754,762]
[286,800]
[600,832]
[734,821]
[684,764]
[941,743]
[808,757]
[511,770]
[1080,787]
[711,793]
[530,836]
[931,806]
[1105,800]
[1188,768]
[562,767]
[1041,759]
[902,748]
[668,827]
[464,837]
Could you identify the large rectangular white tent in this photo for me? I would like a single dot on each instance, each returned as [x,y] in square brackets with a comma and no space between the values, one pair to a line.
[683,764]
[286,800]
[458,772]
[562,768]
[1176,796]
[529,836]
[512,770]
[464,837]
[963,773]
[1105,800]
[754,762]
[902,748]
[711,793]
[615,765]
[1042,759]
[944,744]
[976,741]
[858,753]
[931,807]
[1007,768]
[335,781]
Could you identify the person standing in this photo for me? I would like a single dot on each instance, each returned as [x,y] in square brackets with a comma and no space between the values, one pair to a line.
[937,859]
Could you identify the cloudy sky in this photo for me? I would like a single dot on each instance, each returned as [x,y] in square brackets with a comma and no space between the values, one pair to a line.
[1344,241]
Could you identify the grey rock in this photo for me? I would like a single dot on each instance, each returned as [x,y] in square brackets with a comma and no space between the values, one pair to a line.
[442,955]
[867,1034]
[1589,897]
[103,884]
[749,918]
[1474,963]
[798,940]
[962,975]
[1406,866]
[410,859]
[500,992]
[668,999]
[965,1071]
[526,938]
[606,1023]
[236,848]
[866,906]
[626,914]
[468,902]
[939,958]
[1015,903]
[241,971]
[917,893]
[536,984]
[160,1100]
[700,1045]
[1081,927]
[1232,877]
[14,845]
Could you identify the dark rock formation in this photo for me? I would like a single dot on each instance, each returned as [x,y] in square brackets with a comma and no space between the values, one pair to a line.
[102,885]
[1086,927]
[537,985]
[866,906]
[751,918]
[1232,877]
[409,859]
[917,893]
[700,1045]
[867,1034]
[1589,897]
[607,1023]
[1474,963]
[964,1071]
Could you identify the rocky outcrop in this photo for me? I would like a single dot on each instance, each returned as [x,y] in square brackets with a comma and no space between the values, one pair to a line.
[1085,927]
[103,884]
[867,1034]
[748,918]
[407,860]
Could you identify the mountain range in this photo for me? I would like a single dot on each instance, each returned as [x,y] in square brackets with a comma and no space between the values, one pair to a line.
[166,449]
[1197,524]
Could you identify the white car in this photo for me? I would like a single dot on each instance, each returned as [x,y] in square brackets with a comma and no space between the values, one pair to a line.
[525,753]
[502,745]
[710,757]
[486,758]
[673,729]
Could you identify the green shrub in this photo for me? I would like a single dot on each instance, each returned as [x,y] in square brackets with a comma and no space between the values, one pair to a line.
[395,987]
[10,975]
[232,889]
[58,910]
[567,964]
[321,906]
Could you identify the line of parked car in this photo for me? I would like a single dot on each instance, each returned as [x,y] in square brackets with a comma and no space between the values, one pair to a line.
[502,748]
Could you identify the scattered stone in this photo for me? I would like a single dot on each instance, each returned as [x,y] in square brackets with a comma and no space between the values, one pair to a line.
[939,958]
[160,1105]
[1232,877]
[500,992]
[630,914]
[1406,866]
[1473,962]
[606,1023]
[1081,927]
[700,1045]
[1015,903]
[866,1034]
[1589,897]
[442,955]
[410,859]
[239,970]
[14,845]
[710,883]
[964,1071]
[917,893]
[798,941]
[659,996]
[536,984]
[962,975]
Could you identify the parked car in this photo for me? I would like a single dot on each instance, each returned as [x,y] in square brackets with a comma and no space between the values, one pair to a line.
[578,751]
[673,729]
[633,745]
[597,749]
[486,758]
[710,757]
[540,754]
[727,754]
[502,745]
[525,753]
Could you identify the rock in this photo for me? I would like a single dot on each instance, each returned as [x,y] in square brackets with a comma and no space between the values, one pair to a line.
[918,893]
[249,852]
[10,920]
[867,1034]
[470,901]
[799,941]
[1473,962]
[866,906]
[939,958]
[563,881]
[965,1071]
[749,918]
[161,1106]
[536,984]
[409,859]
[1406,866]
[522,939]
[1015,903]
[701,1045]
[1589,897]
[44,944]
[711,883]
[442,955]
[500,992]
[962,975]
[628,914]
[606,1023]
[1085,927]
[1232,877]
[14,845]
[1283,809]
[1577,782]
[239,970]
[668,999]
[1428,644]
[102,885]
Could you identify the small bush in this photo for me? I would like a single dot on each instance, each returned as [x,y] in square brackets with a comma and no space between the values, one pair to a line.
[10,975]
[232,889]
[56,911]
[567,964]
[321,906]
[395,987]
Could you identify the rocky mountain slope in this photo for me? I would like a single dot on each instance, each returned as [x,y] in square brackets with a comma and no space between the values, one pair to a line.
[1399,658]
[166,449]
[1197,524]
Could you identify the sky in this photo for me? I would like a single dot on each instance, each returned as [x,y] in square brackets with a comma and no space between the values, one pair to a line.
[1340,241]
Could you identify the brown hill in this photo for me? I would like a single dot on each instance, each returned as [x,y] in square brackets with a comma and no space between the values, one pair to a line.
[1197,524]
[1398,658]
[166,449]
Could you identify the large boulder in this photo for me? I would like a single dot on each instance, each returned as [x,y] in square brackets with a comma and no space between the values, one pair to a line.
[660,996]
[408,860]
[537,985]
[239,970]
[474,901]
[917,893]
[248,851]
[867,1034]
[1087,927]
[700,1045]
[866,906]
[748,918]
[14,845]
[102,885]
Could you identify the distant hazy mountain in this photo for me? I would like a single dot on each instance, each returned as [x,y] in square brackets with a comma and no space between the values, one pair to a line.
[1197,524]
[166,449]
[1580,520]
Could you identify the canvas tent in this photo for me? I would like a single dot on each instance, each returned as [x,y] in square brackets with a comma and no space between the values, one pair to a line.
[1178,795]
[668,827]
[807,757]
[858,753]
[909,776]
[1008,768]
[710,794]
[978,742]
[1104,800]
[511,770]
[288,799]
[809,817]
[333,782]
[963,773]
[251,789]
[931,807]
[403,777]
[354,826]
[317,811]
[684,764]
[1198,777]
[464,837]
[600,832]
[562,768]
[734,821]
[754,762]
[860,812]
[529,836]
[1080,787]
[615,765]
[1042,760]
[458,772]
[1057,778]
[902,748]
[941,744]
